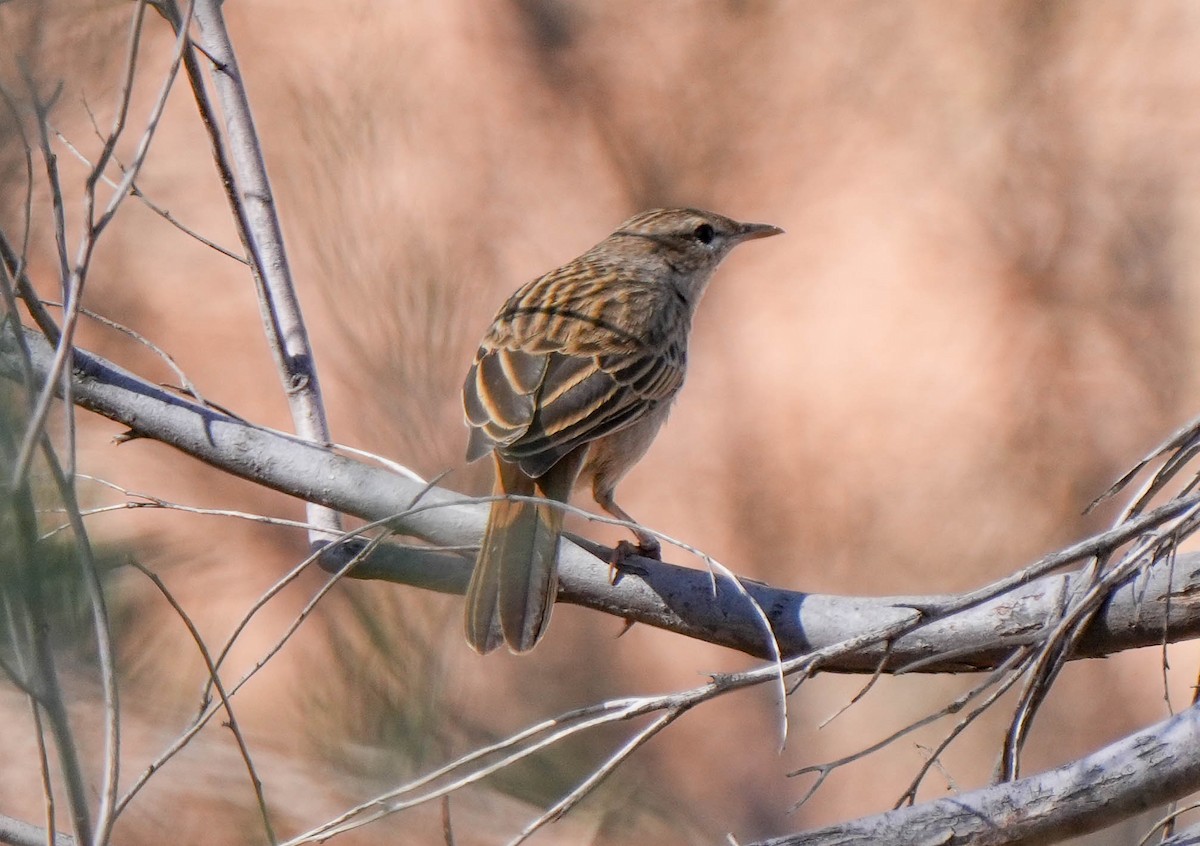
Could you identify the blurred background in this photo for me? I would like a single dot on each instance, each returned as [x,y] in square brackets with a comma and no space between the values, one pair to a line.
[980,316]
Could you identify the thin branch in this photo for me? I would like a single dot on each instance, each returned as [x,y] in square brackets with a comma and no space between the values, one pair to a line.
[143,147]
[1181,442]
[51,384]
[126,89]
[275,589]
[209,708]
[215,678]
[12,263]
[530,740]
[39,732]
[1093,589]
[104,650]
[824,770]
[40,673]
[185,383]
[593,780]
[34,432]
[19,634]
[909,796]
[478,764]
[283,321]
[13,319]
[74,278]
[149,501]
[482,762]
[137,192]
[1140,772]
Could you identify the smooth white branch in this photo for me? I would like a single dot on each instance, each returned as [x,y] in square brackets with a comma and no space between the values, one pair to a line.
[679,599]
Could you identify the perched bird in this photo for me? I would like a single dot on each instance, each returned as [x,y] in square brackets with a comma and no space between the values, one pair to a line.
[570,384]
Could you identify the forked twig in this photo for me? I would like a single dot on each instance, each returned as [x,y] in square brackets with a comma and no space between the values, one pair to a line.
[214,676]
[256,214]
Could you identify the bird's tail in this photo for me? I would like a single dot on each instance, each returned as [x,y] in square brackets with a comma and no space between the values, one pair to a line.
[515,581]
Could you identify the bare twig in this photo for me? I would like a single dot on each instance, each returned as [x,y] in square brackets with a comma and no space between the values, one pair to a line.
[1007,680]
[1182,444]
[39,732]
[185,383]
[1141,771]
[209,708]
[278,303]
[74,277]
[39,674]
[1092,591]
[668,707]
[135,191]
[144,500]
[12,262]
[14,265]
[41,408]
[104,650]
[1167,822]
[576,795]
[34,433]
[215,678]
[20,635]
[824,770]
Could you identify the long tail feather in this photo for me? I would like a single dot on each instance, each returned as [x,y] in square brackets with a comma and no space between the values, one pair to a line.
[512,589]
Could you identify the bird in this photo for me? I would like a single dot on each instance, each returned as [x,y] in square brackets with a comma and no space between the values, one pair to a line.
[569,386]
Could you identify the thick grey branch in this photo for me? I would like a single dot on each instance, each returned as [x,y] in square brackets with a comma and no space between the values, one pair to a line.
[675,598]
[1190,836]
[17,833]
[1132,775]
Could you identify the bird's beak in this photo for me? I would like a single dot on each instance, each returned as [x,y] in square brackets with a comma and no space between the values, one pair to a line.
[750,231]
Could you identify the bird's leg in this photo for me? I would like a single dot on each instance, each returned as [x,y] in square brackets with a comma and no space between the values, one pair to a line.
[646,547]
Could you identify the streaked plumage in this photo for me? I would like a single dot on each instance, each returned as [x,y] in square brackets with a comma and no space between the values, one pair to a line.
[572,381]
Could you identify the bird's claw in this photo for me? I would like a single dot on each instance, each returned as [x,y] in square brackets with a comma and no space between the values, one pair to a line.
[623,554]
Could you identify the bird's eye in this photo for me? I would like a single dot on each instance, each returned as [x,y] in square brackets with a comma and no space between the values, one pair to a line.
[704,233]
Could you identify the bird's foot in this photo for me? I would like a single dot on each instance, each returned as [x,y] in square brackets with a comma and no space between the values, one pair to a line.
[649,547]
[624,553]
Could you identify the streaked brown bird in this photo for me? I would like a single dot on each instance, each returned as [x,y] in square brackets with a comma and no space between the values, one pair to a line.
[571,383]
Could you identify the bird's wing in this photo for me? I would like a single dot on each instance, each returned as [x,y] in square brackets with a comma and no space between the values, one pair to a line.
[500,396]
[546,381]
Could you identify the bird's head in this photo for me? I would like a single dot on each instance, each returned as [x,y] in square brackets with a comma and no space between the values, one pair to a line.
[691,242]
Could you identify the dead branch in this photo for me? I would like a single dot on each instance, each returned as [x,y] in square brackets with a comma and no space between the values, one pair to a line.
[1132,775]
[954,634]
